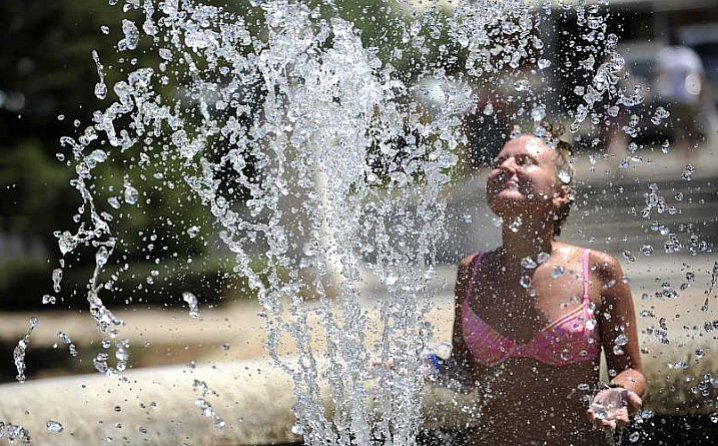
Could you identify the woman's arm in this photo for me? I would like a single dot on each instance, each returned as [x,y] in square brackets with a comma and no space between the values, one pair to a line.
[619,333]
[619,336]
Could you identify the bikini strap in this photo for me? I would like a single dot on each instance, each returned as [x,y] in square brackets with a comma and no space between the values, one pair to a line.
[586,253]
[474,265]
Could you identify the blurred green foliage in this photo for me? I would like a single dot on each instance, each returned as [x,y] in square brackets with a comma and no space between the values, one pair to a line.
[47,78]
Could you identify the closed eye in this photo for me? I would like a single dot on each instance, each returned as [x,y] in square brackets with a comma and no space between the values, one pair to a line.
[526,160]
[520,160]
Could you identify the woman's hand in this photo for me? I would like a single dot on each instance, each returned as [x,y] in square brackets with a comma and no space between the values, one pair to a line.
[610,407]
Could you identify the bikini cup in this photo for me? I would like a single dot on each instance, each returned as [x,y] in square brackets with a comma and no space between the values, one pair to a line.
[570,339]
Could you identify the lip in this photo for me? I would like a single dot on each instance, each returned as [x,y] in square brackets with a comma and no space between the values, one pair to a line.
[507,185]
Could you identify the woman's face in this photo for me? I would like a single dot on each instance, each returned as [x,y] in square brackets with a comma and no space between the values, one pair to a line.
[523,180]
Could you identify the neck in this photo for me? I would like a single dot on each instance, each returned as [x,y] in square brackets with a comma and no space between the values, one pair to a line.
[529,240]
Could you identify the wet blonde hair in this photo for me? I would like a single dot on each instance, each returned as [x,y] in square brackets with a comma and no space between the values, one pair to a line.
[551,135]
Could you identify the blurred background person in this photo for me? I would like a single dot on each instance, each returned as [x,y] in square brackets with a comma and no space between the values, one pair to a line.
[681,86]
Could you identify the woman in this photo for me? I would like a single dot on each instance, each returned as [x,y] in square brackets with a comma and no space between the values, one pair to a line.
[532,315]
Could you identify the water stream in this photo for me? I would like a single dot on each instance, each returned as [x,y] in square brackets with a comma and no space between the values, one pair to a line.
[321,149]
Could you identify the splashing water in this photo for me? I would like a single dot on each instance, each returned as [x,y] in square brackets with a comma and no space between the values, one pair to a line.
[19,351]
[319,157]
[14,433]
[54,427]
[191,300]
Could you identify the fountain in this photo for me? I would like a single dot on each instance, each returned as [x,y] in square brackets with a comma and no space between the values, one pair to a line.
[322,153]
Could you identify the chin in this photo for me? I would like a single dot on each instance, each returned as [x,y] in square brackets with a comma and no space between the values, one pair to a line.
[506,209]
[507,201]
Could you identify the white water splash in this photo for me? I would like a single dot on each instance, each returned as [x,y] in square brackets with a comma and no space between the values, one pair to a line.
[343,159]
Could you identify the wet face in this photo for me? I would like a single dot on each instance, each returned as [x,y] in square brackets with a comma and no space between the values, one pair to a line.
[524,181]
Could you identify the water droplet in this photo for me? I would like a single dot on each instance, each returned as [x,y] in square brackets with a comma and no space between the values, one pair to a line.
[543,257]
[628,256]
[525,281]
[14,433]
[57,279]
[700,353]
[584,387]
[564,176]
[678,365]
[489,109]
[54,427]
[67,242]
[62,337]
[557,272]
[647,250]
[131,36]
[666,147]
[131,195]
[659,115]
[100,90]
[122,355]
[200,386]
[298,430]
[688,172]
[515,225]
[101,256]
[617,350]
[165,54]
[204,406]
[599,411]
[528,263]
[193,231]
[105,29]
[646,414]
[714,417]
[191,300]
[621,340]
[538,113]
[515,132]
[100,362]
[543,63]
[634,437]
[48,299]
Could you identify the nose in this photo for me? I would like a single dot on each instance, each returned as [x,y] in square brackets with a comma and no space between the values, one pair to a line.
[509,164]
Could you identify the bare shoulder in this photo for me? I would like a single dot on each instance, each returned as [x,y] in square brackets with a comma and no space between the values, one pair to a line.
[463,276]
[606,266]
[466,261]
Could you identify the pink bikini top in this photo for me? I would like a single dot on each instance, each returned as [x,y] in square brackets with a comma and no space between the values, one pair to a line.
[570,339]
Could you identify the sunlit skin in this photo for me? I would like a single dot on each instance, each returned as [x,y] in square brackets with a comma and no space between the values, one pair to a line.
[535,403]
